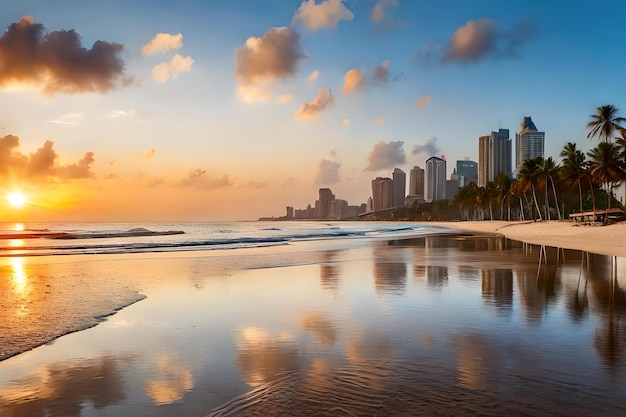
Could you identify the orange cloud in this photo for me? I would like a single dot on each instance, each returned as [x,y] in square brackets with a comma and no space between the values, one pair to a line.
[162,42]
[352,80]
[173,68]
[325,15]
[378,13]
[40,164]
[197,178]
[355,78]
[311,110]
[260,62]
[423,101]
[57,62]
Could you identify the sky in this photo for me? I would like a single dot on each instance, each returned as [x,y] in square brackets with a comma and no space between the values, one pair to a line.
[153,110]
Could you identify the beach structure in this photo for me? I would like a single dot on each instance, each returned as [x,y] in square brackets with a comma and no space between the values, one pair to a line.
[435,179]
[529,142]
[494,156]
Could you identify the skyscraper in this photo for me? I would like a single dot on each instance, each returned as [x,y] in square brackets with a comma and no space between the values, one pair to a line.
[416,183]
[467,171]
[483,160]
[494,156]
[399,187]
[435,179]
[323,206]
[529,143]
[382,193]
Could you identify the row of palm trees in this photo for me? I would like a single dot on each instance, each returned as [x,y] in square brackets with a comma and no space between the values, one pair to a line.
[543,187]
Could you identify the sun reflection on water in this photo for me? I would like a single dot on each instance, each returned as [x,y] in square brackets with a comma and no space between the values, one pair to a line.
[21,286]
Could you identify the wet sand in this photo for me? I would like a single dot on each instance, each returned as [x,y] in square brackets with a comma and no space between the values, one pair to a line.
[433,325]
[605,240]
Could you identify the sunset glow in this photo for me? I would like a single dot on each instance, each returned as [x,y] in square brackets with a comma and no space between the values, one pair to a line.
[236,110]
[16,199]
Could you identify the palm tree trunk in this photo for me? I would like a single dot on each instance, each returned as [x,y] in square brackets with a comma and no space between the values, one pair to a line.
[536,204]
[547,205]
[580,193]
[593,196]
[556,201]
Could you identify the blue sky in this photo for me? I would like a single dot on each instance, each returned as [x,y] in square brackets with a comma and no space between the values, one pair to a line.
[231,115]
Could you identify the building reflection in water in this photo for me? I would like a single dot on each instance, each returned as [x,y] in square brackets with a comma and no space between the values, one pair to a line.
[390,277]
[497,287]
[329,271]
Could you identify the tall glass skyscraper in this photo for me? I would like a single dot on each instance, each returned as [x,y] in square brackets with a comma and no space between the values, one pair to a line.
[435,179]
[529,142]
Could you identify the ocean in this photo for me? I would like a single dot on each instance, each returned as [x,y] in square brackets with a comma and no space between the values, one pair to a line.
[304,319]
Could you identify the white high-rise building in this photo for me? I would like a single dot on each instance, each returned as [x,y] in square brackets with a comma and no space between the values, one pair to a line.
[529,143]
[435,179]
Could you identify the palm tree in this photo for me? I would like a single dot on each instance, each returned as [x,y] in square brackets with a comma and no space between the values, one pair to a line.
[607,166]
[573,168]
[517,191]
[547,169]
[604,123]
[502,184]
[465,199]
[527,174]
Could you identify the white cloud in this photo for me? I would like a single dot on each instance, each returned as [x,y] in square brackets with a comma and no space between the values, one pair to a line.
[386,155]
[69,119]
[327,172]
[114,114]
[313,76]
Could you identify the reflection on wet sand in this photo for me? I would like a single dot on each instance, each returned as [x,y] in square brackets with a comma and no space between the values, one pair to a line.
[173,381]
[95,383]
[441,325]
[383,375]
[261,356]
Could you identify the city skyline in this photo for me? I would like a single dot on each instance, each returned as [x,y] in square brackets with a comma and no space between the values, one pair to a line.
[228,110]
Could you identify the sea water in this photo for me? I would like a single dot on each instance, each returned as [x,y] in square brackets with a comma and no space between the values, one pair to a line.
[357,319]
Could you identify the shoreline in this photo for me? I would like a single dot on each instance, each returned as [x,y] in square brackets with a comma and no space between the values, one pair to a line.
[607,240]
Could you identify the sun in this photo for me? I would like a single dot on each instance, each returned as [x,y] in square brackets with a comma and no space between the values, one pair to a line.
[16,199]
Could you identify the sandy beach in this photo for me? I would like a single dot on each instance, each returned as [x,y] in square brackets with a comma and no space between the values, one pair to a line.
[604,240]
[437,324]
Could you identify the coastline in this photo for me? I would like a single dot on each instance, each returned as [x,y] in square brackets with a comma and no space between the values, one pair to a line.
[603,240]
